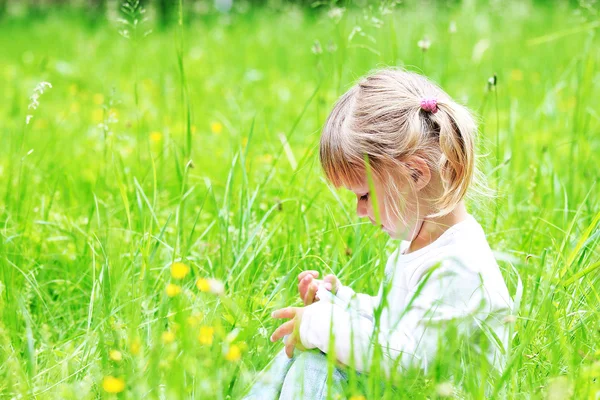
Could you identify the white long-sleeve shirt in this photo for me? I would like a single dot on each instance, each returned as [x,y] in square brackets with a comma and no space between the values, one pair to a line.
[455,279]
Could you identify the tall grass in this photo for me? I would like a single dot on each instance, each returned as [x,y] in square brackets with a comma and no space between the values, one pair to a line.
[200,147]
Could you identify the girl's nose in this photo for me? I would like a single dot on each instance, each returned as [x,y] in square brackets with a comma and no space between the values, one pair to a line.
[361,209]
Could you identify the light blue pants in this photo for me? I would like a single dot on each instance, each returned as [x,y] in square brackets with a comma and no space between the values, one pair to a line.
[302,377]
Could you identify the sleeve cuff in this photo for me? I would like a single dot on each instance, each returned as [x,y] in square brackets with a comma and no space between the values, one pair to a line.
[345,294]
[316,323]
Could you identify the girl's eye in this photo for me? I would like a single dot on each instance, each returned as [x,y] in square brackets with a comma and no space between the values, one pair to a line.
[364,197]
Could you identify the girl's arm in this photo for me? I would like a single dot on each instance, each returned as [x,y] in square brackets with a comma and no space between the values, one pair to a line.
[445,294]
[363,303]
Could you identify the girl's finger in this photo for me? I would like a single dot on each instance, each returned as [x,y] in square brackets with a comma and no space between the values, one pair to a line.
[288,312]
[310,293]
[315,274]
[303,287]
[290,344]
[331,282]
[285,329]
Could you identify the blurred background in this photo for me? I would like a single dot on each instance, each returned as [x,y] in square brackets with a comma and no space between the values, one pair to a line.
[160,187]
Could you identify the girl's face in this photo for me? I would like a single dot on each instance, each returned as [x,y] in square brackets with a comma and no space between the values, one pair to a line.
[404,226]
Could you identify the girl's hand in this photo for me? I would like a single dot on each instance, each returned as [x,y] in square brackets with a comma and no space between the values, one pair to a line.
[308,285]
[289,328]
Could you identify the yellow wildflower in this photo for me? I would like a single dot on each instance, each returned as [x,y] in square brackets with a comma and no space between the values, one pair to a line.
[155,136]
[234,353]
[265,158]
[179,270]
[110,384]
[173,290]
[358,397]
[194,320]
[40,123]
[98,98]
[168,337]
[135,346]
[75,108]
[97,115]
[516,75]
[216,127]
[206,335]
[210,285]
[115,355]
[203,285]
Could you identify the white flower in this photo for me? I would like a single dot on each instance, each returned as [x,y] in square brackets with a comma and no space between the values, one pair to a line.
[336,13]
[452,27]
[445,389]
[424,44]
[316,48]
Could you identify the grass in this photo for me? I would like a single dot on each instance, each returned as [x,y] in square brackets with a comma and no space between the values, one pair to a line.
[199,144]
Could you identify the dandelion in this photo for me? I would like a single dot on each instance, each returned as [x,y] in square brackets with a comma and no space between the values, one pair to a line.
[155,137]
[179,270]
[358,397]
[210,285]
[216,127]
[234,353]
[206,335]
[110,384]
[167,337]
[424,44]
[115,355]
[173,290]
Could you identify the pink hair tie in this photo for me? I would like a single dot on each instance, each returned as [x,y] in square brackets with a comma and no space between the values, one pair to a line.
[429,105]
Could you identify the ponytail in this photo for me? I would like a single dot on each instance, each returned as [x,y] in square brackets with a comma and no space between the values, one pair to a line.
[457,145]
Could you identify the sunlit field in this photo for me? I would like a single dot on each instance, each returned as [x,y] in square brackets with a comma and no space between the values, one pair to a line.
[160,189]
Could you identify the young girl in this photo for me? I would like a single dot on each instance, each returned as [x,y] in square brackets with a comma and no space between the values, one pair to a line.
[397,140]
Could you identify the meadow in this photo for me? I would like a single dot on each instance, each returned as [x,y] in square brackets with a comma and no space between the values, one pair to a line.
[161,191]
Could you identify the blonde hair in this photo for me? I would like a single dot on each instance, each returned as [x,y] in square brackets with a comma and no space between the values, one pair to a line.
[380,119]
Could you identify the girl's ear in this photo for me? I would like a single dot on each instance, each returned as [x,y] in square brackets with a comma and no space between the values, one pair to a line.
[420,173]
